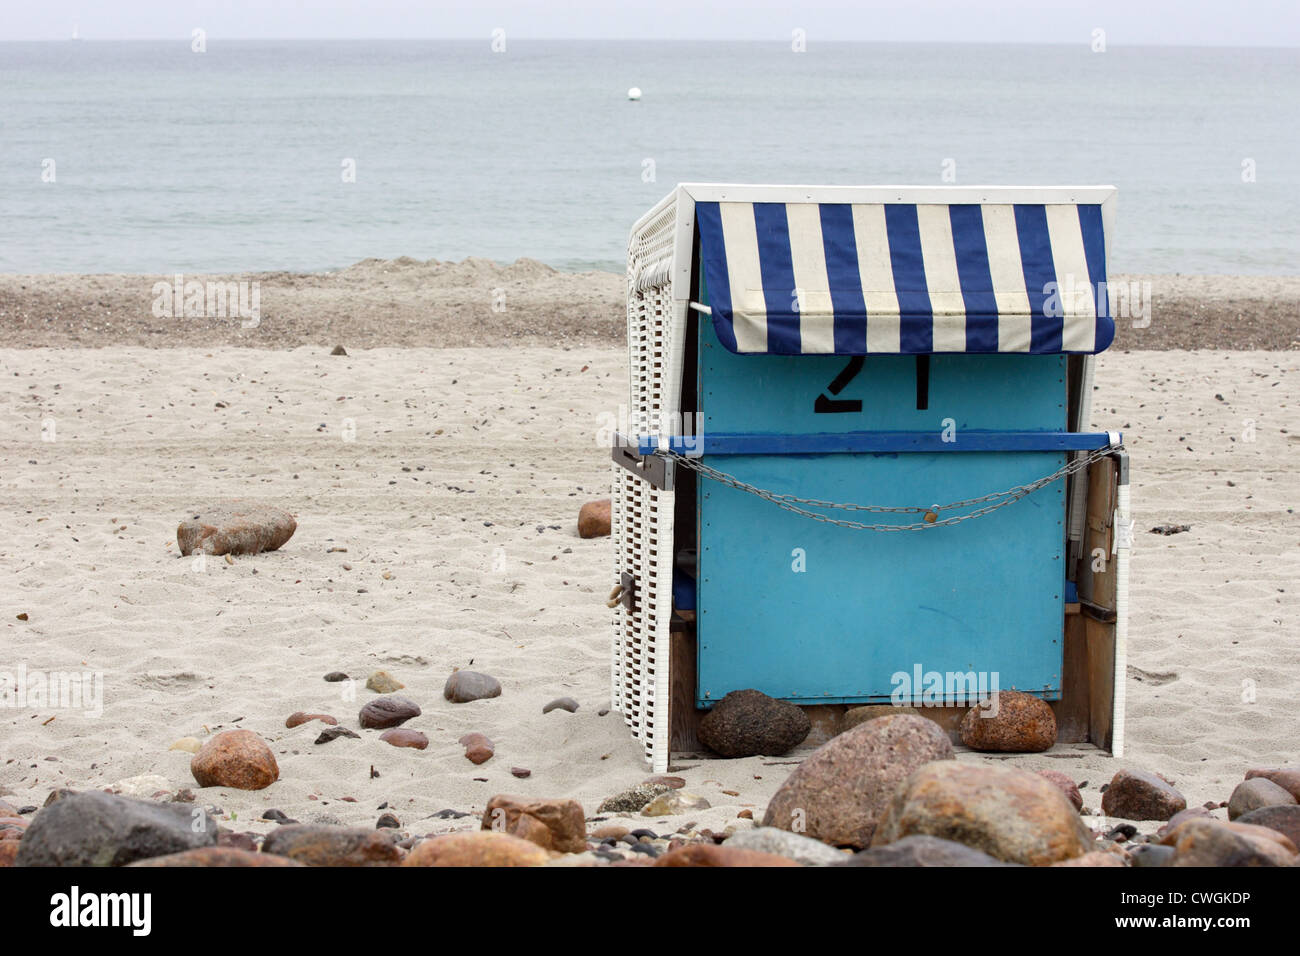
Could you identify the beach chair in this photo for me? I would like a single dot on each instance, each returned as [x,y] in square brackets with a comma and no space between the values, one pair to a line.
[854,457]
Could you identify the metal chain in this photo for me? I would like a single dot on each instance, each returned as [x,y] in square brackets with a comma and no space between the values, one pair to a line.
[991,502]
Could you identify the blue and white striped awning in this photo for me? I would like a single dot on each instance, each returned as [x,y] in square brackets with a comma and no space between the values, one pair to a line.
[895,278]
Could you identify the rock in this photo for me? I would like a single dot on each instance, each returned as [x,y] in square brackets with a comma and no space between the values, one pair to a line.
[1065,784]
[1284,819]
[102,829]
[334,733]
[387,712]
[1011,814]
[522,773]
[672,802]
[218,856]
[149,786]
[478,749]
[8,853]
[1182,816]
[383,682]
[1211,843]
[1288,778]
[609,831]
[838,793]
[321,845]
[298,718]
[235,758]
[632,799]
[1151,855]
[1255,793]
[1093,858]
[594,519]
[748,723]
[551,824]
[464,686]
[860,715]
[336,677]
[1014,723]
[709,854]
[1138,795]
[662,779]
[405,737]
[477,848]
[922,850]
[191,745]
[338,350]
[235,529]
[561,703]
[801,849]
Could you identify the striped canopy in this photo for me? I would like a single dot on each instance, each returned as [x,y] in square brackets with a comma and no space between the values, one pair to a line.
[893,278]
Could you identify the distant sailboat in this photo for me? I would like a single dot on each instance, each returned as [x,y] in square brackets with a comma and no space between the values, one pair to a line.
[76,33]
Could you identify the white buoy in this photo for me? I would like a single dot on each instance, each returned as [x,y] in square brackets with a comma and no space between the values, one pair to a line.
[634,93]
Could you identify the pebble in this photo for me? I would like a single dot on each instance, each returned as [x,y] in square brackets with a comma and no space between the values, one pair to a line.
[673,802]
[1139,795]
[299,717]
[235,758]
[387,712]
[388,821]
[190,745]
[335,677]
[478,748]
[561,703]
[594,519]
[235,529]
[465,686]
[405,737]
[334,733]
[383,682]
[521,772]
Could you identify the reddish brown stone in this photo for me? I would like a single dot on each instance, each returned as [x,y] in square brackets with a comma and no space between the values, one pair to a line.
[1182,816]
[1212,843]
[320,845]
[1257,792]
[405,737]
[218,856]
[235,529]
[1284,819]
[1093,858]
[476,848]
[8,852]
[235,758]
[1065,784]
[478,749]
[1011,814]
[1014,723]
[298,717]
[1139,795]
[1288,778]
[837,794]
[389,711]
[594,519]
[551,824]
[710,854]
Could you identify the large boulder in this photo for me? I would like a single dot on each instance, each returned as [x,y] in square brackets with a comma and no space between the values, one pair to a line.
[551,824]
[1139,795]
[324,845]
[748,723]
[235,758]
[235,529]
[1284,819]
[838,793]
[1015,723]
[1288,778]
[1213,843]
[1255,793]
[476,848]
[102,829]
[1011,814]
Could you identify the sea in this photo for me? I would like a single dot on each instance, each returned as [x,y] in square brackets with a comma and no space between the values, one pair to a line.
[261,155]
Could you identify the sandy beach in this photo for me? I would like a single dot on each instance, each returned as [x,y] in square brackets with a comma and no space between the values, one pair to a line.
[436,491]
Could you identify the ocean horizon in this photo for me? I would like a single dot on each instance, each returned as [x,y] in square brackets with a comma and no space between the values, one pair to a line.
[308,155]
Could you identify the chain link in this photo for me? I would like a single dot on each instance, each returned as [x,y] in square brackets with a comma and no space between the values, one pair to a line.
[990,502]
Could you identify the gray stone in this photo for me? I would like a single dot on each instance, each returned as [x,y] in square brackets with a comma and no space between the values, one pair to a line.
[465,686]
[921,850]
[793,846]
[633,799]
[1284,819]
[102,829]
[561,703]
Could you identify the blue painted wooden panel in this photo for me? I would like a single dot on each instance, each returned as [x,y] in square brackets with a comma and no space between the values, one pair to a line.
[984,596]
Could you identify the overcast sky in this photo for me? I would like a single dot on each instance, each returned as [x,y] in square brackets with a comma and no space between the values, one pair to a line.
[1127,22]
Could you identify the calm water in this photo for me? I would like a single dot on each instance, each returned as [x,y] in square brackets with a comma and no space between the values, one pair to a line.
[168,160]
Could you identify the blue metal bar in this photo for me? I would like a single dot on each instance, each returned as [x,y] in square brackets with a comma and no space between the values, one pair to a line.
[756,443]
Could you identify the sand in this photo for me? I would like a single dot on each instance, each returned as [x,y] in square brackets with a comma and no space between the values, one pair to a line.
[406,302]
[453,478]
